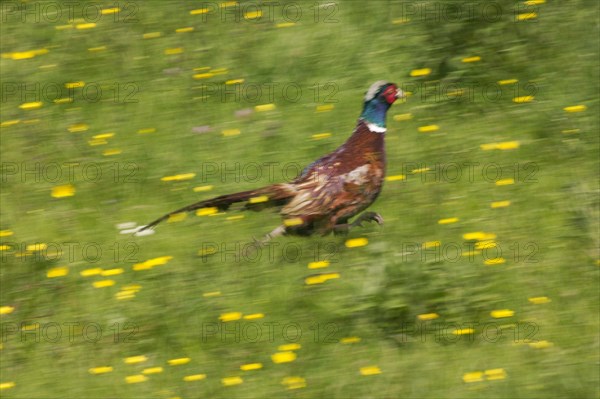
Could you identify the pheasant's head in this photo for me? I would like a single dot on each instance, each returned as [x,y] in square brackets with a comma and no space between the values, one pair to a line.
[378,99]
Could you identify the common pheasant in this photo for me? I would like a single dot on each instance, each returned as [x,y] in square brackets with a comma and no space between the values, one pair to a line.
[332,189]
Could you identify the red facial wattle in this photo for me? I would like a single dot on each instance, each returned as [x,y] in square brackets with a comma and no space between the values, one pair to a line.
[390,94]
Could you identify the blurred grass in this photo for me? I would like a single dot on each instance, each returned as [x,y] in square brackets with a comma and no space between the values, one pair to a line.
[548,236]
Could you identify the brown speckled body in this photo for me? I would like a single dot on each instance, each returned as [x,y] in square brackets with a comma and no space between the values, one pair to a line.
[338,185]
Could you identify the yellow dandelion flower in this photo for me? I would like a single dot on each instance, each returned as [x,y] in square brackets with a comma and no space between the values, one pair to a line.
[112,10]
[289,347]
[283,357]
[226,4]
[135,359]
[7,385]
[507,82]
[474,376]
[10,123]
[229,381]
[356,242]
[151,35]
[259,199]
[231,316]
[203,75]
[350,340]
[57,272]
[114,151]
[36,247]
[285,24]
[112,272]
[495,374]
[495,261]
[31,105]
[100,370]
[395,178]
[251,366]
[234,81]
[103,283]
[420,72]
[174,51]
[125,294]
[74,85]
[254,316]
[293,222]
[508,145]
[428,316]
[231,132]
[471,59]
[420,170]
[526,16]
[177,217]
[146,130]
[199,11]
[152,370]
[202,188]
[6,309]
[211,294]
[523,99]
[207,211]
[318,265]
[135,379]
[194,377]
[486,244]
[320,278]
[320,136]
[505,182]
[499,204]
[264,107]
[90,272]
[370,370]
[88,25]
[179,361]
[479,236]
[325,108]
[463,331]
[132,287]
[541,344]
[575,108]
[402,117]
[253,14]
[6,233]
[66,190]
[180,177]
[428,128]
[294,382]
[539,300]
[502,313]
[184,30]
[448,220]
[78,127]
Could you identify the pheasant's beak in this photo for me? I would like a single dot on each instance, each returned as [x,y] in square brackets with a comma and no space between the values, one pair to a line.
[400,94]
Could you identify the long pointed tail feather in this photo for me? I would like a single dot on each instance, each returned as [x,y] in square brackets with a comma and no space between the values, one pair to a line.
[273,196]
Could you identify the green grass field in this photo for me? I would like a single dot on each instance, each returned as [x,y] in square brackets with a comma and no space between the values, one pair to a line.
[483,282]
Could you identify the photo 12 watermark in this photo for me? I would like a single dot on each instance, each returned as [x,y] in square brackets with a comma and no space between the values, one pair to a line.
[86,12]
